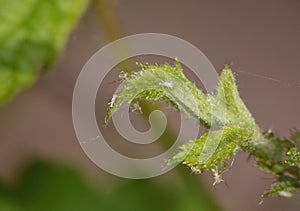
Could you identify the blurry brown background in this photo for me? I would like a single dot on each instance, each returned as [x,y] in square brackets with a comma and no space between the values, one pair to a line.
[261,39]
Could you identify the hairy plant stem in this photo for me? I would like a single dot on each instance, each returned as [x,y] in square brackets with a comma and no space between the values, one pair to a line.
[232,127]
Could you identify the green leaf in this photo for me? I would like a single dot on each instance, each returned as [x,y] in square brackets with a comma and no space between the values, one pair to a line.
[168,82]
[32,33]
[212,149]
[232,127]
[229,102]
[164,82]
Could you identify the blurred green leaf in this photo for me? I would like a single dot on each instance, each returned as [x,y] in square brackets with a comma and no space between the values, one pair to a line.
[46,186]
[32,33]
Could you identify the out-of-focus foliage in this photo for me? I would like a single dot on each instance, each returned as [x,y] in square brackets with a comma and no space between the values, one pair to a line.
[48,186]
[32,33]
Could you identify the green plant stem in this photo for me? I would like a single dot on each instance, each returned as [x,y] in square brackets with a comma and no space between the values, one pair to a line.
[232,127]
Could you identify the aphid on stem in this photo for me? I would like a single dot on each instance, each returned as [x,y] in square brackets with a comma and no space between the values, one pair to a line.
[136,108]
[194,169]
[217,176]
[122,76]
